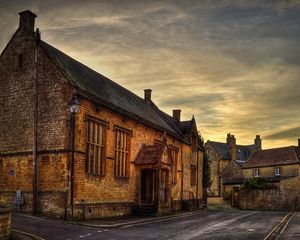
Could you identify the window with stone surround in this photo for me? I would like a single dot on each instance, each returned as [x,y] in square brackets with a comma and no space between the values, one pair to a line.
[174,155]
[256,172]
[193,175]
[277,171]
[122,152]
[95,147]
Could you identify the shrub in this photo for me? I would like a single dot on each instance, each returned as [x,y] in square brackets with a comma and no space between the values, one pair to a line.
[257,183]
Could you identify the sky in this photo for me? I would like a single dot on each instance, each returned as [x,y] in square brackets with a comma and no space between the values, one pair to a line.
[234,65]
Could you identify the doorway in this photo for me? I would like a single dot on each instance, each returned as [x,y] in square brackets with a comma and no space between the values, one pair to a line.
[147,186]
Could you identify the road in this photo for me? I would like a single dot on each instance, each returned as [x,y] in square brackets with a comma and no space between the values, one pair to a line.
[292,231]
[235,224]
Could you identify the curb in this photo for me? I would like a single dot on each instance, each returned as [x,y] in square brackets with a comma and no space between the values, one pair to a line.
[24,235]
[123,224]
[279,228]
[129,223]
[285,226]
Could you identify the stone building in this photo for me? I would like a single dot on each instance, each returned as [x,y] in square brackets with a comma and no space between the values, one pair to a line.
[278,165]
[76,143]
[226,162]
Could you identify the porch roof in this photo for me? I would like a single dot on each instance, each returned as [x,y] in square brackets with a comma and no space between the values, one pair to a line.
[149,154]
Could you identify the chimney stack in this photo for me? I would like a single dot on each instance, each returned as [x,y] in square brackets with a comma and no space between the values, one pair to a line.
[228,138]
[257,142]
[176,115]
[231,141]
[27,19]
[147,94]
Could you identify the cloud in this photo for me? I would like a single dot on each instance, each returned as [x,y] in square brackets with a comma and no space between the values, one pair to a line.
[232,64]
[291,133]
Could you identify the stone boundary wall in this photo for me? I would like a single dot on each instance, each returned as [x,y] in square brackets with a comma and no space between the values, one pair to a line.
[5,220]
[50,203]
[102,210]
[268,199]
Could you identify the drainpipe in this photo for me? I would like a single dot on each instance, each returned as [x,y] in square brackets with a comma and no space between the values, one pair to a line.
[74,108]
[197,183]
[181,187]
[72,164]
[35,119]
[219,178]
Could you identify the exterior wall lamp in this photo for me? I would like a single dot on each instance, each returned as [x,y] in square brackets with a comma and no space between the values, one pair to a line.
[74,105]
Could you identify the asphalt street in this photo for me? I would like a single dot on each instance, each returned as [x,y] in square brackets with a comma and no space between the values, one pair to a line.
[234,224]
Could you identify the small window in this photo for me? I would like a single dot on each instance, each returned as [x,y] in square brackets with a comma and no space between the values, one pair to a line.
[256,172]
[122,149]
[20,60]
[193,175]
[277,171]
[174,155]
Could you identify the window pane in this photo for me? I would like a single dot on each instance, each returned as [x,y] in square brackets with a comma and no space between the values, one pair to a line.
[91,132]
[100,135]
[123,164]
[118,140]
[97,160]
[91,158]
[88,131]
[118,163]
[87,158]
[126,164]
[96,134]
[101,160]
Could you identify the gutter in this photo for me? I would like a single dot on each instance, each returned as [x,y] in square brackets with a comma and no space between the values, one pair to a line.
[95,100]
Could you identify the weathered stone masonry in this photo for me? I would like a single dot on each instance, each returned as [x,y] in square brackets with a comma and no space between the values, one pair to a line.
[94,196]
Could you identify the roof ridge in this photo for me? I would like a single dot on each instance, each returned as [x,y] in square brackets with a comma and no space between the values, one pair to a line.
[270,149]
[90,69]
[108,91]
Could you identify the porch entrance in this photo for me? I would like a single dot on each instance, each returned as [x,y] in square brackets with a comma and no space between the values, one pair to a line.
[147,186]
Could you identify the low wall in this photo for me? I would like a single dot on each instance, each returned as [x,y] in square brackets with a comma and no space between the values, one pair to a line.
[268,199]
[50,203]
[5,220]
[215,200]
[102,210]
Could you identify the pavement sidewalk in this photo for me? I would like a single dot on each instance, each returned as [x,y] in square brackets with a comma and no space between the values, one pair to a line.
[116,222]
[18,235]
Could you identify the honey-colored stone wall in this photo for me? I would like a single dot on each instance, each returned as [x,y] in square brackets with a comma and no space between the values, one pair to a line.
[285,197]
[5,223]
[285,170]
[113,195]
[110,189]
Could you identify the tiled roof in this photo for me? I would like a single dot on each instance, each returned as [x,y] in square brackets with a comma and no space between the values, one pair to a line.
[274,156]
[243,152]
[149,154]
[185,126]
[109,92]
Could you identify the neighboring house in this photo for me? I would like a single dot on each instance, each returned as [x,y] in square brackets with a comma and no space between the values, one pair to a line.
[226,160]
[76,143]
[277,165]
